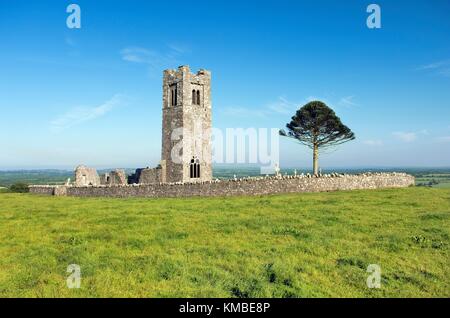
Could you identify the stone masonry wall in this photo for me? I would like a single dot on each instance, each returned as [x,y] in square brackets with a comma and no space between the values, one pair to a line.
[150,176]
[248,186]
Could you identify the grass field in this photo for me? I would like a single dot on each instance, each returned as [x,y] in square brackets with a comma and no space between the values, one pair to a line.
[435,180]
[305,245]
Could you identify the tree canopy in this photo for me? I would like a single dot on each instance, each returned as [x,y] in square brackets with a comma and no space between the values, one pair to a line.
[317,126]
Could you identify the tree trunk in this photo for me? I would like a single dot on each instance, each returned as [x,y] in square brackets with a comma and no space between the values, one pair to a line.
[316,160]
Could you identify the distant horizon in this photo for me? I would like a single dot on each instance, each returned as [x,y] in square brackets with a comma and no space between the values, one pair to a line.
[231,166]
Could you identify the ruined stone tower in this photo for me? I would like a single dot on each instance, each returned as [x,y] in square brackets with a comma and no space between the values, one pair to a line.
[186,126]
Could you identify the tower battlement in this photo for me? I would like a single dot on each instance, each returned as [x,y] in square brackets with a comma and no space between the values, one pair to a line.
[186,69]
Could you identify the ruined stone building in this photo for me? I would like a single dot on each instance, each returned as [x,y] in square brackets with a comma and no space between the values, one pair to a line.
[115,177]
[186,135]
[85,176]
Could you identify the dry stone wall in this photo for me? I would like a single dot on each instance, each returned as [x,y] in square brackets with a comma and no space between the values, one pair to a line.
[247,186]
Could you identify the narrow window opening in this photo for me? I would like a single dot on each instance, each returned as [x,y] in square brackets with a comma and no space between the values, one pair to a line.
[197,169]
[173,95]
[191,167]
[176,95]
[194,168]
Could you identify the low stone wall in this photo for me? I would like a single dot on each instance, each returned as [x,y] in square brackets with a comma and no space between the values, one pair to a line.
[247,186]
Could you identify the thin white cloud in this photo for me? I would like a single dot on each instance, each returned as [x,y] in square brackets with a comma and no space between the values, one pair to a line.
[443,139]
[281,106]
[376,142]
[409,136]
[434,65]
[179,48]
[439,67]
[405,136]
[79,115]
[347,101]
[142,55]
[155,60]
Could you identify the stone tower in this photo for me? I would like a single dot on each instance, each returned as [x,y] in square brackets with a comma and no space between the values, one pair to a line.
[186,126]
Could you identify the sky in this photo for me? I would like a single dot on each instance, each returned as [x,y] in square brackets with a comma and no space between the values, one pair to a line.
[93,95]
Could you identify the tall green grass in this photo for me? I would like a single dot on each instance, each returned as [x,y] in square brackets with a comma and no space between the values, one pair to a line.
[304,245]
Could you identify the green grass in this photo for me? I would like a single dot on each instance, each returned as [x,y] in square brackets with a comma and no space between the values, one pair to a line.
[443,185]
[305,245]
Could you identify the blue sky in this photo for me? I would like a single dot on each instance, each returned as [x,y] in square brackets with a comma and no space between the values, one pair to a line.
[93,95]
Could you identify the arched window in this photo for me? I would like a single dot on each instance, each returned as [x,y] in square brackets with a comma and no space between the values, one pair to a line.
[173,95]
[194,168]
[197,168]
[198,97]
[194,101]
